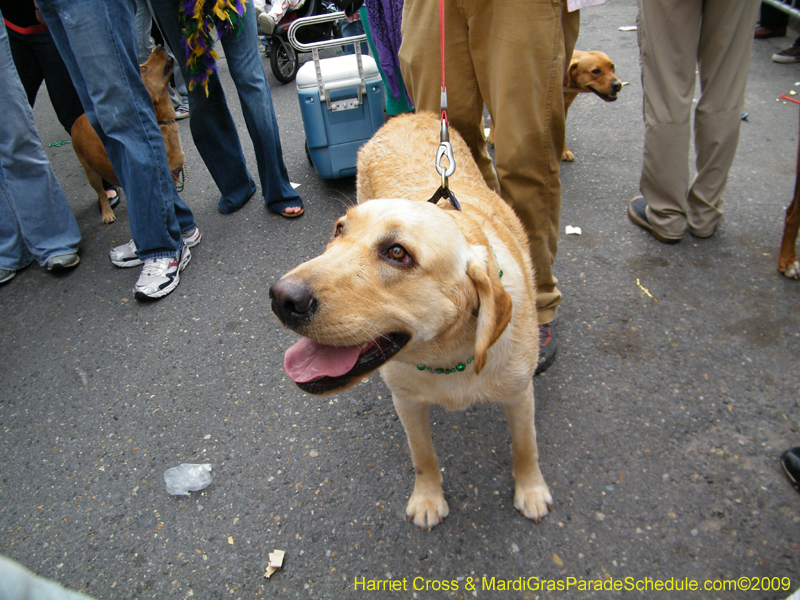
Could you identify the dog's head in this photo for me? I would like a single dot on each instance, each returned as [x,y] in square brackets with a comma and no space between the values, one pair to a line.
[397,275]
[593,71]
[156,73]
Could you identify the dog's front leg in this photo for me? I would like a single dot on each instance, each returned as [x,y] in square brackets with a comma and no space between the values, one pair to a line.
[531,495]
[427,506]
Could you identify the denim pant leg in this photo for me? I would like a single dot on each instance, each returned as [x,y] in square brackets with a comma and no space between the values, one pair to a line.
[247,70]
[213,129]
[96,38]
[36,221]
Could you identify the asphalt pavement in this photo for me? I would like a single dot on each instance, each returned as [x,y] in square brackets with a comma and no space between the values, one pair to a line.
[660,424]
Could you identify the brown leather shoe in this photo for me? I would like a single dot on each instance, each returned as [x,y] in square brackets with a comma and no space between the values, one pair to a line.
[762,33]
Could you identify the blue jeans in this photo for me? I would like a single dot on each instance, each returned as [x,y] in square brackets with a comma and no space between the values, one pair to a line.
[36,221]
[212,125]
[96,40]
[350,29]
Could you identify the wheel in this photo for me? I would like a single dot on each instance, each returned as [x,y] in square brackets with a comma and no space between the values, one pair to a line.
[283,60]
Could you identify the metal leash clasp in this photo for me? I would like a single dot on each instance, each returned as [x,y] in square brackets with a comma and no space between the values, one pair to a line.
[445,150]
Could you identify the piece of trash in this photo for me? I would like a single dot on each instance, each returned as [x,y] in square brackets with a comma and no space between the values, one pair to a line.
[573,230]
[745,115]
[785,97]
[187,478]
[58,144]
[275,562]
[624,83]
[294,185]
[792,93]
[646,291]
[628,28]
[557,560]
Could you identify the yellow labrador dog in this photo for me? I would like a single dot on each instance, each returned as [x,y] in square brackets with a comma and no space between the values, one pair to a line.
[440,300]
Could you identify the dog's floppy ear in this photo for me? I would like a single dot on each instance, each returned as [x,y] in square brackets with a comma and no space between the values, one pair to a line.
[572,70]
[494,312]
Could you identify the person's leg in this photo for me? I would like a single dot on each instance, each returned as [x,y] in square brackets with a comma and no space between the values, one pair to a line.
[350,29]
[96,38]
[521,65]
[397,100]
[143,22]
[213,129]
[724,62]
[63,96]
[247,72]
[420,63]
[571,24]
[669,33]
[26,62]
[36,221]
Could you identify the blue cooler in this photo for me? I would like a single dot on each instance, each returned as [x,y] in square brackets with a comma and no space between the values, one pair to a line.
[341,102]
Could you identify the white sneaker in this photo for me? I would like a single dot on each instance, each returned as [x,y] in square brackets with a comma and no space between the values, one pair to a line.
[161,275]
[125,255]
[266,23]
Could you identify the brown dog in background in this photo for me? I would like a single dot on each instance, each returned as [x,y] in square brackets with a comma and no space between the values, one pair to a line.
[593,72]
[787,259]
[590,71]
[156,73]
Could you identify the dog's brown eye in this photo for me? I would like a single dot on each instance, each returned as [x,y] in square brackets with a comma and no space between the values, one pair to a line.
[338,230]
[596,72]
[398,253]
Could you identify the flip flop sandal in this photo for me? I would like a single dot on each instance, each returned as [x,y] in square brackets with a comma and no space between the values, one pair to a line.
[113,201]
[286,215]
[790,461]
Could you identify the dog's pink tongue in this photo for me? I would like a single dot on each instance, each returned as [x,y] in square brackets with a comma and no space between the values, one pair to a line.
[308,360]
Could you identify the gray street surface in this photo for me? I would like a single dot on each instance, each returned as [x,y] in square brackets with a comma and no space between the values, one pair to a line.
[660,424]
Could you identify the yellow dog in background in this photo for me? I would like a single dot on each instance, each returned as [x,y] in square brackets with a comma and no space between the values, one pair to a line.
[440,300]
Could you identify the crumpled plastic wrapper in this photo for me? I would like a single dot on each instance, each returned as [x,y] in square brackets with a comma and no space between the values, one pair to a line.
[187,478]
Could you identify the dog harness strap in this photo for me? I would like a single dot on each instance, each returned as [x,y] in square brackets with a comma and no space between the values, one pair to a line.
[443,192]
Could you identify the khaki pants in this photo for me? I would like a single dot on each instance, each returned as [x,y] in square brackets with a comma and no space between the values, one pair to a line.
[676,39]
[508,55]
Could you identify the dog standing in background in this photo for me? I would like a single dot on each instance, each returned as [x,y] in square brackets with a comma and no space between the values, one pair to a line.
[593,72]
[156,73]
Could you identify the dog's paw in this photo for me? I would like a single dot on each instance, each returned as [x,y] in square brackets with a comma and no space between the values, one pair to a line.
[107,220]
[792,271]
[427,510]
[567,156]
[533,501]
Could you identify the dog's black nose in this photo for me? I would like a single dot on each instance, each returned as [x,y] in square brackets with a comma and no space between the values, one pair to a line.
[616,86]
[292,301]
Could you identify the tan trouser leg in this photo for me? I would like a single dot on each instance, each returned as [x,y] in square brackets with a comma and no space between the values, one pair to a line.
[674,37]
[509,56]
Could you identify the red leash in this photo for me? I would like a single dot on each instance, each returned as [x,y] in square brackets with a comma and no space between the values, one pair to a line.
[445,150]
[441,54]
